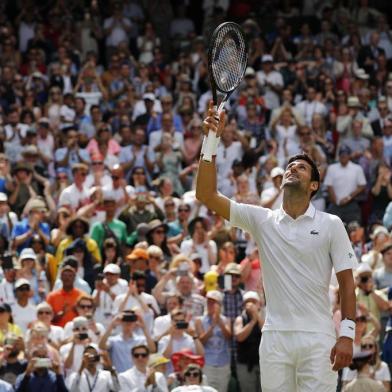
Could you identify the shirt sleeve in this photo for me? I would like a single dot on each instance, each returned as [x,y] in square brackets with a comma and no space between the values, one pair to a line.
[341,251]
[247,217]
[361,176]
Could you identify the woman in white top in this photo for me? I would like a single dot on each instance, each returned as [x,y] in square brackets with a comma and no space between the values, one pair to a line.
[284,130]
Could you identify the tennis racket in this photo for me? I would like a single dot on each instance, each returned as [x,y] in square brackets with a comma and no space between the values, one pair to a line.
[227,61]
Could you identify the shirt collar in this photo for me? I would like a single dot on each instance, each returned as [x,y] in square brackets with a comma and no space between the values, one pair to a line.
[310,212]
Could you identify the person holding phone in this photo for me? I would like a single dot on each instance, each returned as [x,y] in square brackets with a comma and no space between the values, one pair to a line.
[180,337]
[120,345]
[90,378]
[214,331]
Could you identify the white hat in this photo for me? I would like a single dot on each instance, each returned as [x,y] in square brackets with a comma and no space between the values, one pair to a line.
[250,71]
[277,171]
[379,230]
[215,295]
[3,196]
[363,268]
[21,282]
[108,195]
[27,253]
[251,295]
[79,321]
[353,102]
[361,74]
[112,269]
[149,96]
[267,58]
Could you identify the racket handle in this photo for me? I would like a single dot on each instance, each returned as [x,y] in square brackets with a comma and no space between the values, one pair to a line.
[210,144]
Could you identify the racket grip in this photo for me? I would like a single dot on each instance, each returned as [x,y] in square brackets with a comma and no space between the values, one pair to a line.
[210,144]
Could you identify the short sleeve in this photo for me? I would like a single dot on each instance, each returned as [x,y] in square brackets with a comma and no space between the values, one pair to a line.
[341,252]
[246,216]
[328,177]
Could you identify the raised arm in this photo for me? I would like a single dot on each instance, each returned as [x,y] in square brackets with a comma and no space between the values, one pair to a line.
[206,185]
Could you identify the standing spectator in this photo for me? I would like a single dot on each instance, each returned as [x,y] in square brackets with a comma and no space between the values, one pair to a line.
[23,312]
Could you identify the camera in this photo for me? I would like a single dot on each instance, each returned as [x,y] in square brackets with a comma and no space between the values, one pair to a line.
[83,336]
[182,324]
[364,279]
[129,317]
[43,363]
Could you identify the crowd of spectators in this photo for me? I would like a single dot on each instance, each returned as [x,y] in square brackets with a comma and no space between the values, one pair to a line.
[113,276]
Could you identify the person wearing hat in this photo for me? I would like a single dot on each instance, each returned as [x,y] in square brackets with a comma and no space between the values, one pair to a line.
[63,300]
[214,331]
[8,218]
[23,312]
[271,80]
[144,372]
[24,230]
[89,377]
[78,228]
[367,294]
[144,110]
[111,227]
[107,288]
[199,243]
[247,332]
[157,235]
[45,316]
[272,197]
[345,181]
[299,246]
[76,195]
[232,298]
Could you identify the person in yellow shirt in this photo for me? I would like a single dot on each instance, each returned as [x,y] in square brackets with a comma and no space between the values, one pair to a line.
[78,228]
[6,325]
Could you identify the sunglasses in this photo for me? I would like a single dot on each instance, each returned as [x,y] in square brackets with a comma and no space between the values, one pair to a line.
[367,346]
[85,306]
[83,174]
[44,312]
[139,173]
[159,231]
[169,205]
[115,178]
[304,134]
[183,210]
[97,163]
[80,329]
[140,355]
[24,288]
[192,374]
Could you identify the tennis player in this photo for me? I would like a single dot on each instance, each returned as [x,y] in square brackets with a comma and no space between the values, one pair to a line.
[299,246]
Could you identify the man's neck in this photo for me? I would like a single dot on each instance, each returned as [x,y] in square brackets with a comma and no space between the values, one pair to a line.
[79,185]
[127,334]
[295,203]
[68,288]
[23,302]
[141,369]
[109,218]
[92,369]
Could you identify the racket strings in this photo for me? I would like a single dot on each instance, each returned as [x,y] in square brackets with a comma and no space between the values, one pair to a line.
[229,58]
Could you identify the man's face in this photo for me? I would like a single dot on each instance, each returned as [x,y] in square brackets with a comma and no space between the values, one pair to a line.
[311,94]
[344,159]
[68,278]
[298,174]
[185,285]
[85,307]
[111,278]
[80,175]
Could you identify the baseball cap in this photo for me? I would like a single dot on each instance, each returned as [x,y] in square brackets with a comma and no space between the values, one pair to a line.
[156,360]
[36,204]
[112,269]
[3,197]
[344,150]
[232,269]
[251,295]
[361,74]
[79,321]
[21,282]
[138,253]
[379,230]
[108,196]
[195,256]
[363,268]
[250,71]
[353,102]
[149,96]
[267,58]
[277,171]
[27,254]
[215,295]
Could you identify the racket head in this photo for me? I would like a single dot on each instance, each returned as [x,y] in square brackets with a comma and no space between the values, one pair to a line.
[227,58]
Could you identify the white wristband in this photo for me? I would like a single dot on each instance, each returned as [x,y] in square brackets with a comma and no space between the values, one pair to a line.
[347,328]
[203,146]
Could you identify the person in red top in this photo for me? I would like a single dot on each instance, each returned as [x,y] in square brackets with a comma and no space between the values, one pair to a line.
[63,301]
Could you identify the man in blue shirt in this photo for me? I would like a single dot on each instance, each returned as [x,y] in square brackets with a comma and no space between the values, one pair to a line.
[24,231]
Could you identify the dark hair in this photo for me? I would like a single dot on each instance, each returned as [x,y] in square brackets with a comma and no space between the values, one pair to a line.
[134,348]
[194,366]
[315,172]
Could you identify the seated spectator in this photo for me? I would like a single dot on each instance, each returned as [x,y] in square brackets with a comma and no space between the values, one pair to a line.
[141,374]
[157,235]
[23,312]
[121,344]
[381,191]
[7,294]
[193,375]
[7,325]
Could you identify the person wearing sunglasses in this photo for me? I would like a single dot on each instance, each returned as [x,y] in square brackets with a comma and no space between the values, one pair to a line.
[381,370]
[23,312]
[141,375]
[192,376]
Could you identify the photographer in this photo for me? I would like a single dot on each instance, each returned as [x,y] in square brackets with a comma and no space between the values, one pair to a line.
[90,378]
[42,375]
[364,382]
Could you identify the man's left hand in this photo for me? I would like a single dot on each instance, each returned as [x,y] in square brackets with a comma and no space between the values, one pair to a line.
[342,353]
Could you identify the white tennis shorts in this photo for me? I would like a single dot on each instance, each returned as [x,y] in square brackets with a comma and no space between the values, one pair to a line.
[296,362]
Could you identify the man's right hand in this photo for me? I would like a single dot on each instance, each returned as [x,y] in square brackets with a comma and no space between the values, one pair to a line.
[212,122]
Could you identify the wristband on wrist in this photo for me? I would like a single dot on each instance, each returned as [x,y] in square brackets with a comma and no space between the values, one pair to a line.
[347,328]
[215,147]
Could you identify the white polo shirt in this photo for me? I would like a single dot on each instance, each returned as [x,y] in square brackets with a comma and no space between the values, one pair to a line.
[298,257]
[344,179]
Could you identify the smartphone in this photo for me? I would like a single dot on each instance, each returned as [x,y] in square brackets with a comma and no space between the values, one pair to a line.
[129,317]
[100,276]
[227,282]
[83,336]
[43,363]
[182,324]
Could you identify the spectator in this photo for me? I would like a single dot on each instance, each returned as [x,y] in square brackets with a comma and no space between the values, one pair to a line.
[193,375]
[23,312]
